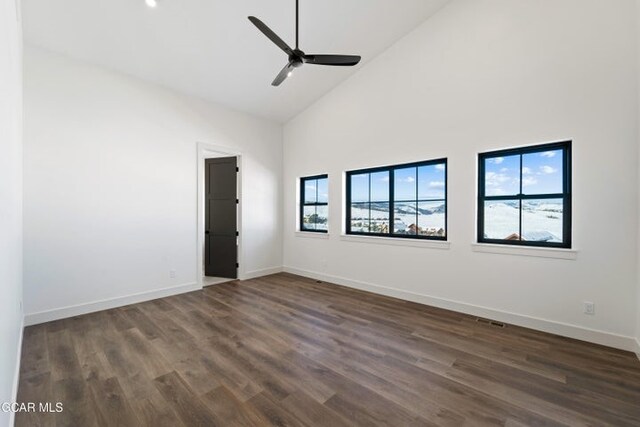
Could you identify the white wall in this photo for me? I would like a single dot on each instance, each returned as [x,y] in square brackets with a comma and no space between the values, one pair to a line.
[10,201]
[483,75]
[110,184]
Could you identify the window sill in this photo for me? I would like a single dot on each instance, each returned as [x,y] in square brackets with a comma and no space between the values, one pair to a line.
[557,253]
[417,243]
[312,235]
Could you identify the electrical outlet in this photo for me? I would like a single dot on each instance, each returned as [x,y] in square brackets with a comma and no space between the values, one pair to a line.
[589,308]
[172,274]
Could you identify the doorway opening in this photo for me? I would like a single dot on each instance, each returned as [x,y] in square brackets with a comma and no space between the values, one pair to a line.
[219,215]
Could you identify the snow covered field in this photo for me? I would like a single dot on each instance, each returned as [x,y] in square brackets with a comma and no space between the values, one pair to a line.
[541,220]
[430,217]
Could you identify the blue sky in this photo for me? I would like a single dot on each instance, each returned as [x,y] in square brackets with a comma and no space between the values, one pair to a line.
[323,190]
[379,187]
[310,191]
[430,181]
[541,174]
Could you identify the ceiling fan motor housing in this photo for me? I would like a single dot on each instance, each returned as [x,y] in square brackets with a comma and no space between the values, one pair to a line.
[296,58]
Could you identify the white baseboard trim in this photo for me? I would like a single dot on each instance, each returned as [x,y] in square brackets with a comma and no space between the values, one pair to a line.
[91,307]
[637,349]
[105,304]
[558,328]
[16,375]
[259,273]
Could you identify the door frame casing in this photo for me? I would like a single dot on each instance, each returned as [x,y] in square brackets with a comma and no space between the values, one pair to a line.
[204,151]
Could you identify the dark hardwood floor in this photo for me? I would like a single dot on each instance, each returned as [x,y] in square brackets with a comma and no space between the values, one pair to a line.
[288,351]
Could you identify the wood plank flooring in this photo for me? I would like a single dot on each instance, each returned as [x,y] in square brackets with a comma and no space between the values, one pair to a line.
[289,351]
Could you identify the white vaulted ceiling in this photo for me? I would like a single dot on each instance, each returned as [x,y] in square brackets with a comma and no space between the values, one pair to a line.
[208,48]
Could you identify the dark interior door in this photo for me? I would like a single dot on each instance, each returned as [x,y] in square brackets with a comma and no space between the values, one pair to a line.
[221,246]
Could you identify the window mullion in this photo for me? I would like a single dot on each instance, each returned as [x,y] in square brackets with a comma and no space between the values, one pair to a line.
[369,203]
[392,202]
[316,191]
[416,201]
[542,196]
[301,205]
[348,203]
[520,196]
[315,212]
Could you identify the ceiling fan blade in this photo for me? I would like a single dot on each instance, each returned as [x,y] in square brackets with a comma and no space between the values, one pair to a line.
[335,60]
[282,75]
[271,35]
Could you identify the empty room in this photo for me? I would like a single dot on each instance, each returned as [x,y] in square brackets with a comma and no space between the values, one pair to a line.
[319,213]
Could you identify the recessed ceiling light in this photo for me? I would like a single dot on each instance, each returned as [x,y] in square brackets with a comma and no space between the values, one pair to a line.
[151,3]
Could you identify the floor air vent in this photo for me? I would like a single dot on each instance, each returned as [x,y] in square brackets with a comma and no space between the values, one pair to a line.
[490,322]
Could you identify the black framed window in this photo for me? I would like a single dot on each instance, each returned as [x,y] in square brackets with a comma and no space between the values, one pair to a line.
[314,203]
[524,196]
[408,201]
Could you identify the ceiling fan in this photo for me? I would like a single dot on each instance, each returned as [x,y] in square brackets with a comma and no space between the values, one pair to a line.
[298,57]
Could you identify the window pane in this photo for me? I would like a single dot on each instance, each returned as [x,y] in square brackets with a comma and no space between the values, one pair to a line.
[542,172]
[431,219]
[405,221]
[431,181]
[323,190]
[309,218]
[310,190]
[322,213]
[379,218]
[360,217]
[405,184]
[542,220]
[502,176]
[502,220]
[380,186]
[360,188]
